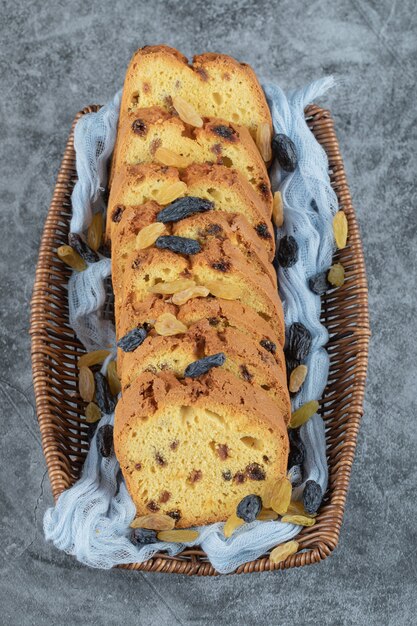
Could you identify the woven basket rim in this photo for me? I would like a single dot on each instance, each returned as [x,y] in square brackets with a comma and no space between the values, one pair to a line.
[55,351]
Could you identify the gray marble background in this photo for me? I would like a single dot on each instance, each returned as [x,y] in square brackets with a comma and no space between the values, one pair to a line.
[58,56]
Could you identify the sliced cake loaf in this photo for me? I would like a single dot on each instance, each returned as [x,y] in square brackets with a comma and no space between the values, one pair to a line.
[194,448]
[152,135]
[205,406]
[215,85]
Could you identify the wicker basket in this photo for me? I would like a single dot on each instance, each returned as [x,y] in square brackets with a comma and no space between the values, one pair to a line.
[55,351]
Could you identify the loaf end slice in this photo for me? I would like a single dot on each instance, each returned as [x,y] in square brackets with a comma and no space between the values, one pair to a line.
[216,85]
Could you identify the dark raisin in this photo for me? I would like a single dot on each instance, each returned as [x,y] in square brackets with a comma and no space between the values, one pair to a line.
[132,339]
[180,245]
[255,472]
[160,459]
[138,466]
[195,476]
[227,475]
[268,345]
[313,205]
[285,152]
[82,248]
[142,536]
[91,431]
[239,478]
[265,458]
[182,208]
[204,365]
[221,266]
[287,253]
[139,127]
[104,397]
[262,230]
[298,343]
[117,214]
[174,444]
[222,451]
[164,497]
[297,450]
[249,508]
[136,264]
[176,515]
[224,131]
[105,440]
[105,249]
[319,283]
[295,475]
[246,375]
[153,506]
[312,496]
[291,364]
[213,321]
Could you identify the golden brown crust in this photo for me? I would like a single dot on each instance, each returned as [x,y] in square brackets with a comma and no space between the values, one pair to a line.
[162,48]
[221,176]
[217,387]
[234,231]
[225,313]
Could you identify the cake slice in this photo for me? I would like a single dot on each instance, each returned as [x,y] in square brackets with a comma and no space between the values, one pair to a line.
[146,133]
[246,359]
[216,85]
[134,185]
[193,449]
[218,312]
[152,271]
[231,230]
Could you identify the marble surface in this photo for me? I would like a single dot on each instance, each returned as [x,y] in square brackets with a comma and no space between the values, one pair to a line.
[58,56]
